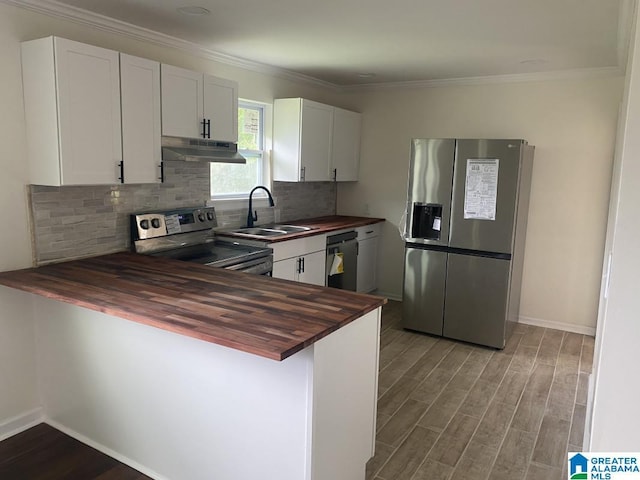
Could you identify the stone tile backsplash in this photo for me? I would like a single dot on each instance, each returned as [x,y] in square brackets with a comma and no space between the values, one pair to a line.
[305,200]
[80,221]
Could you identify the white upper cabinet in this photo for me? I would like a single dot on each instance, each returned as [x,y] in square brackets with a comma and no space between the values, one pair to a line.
[301,140]
[221,108]
[314,142]
[182,102]
[345,145]
[72,112]
[140,93]
[195,105]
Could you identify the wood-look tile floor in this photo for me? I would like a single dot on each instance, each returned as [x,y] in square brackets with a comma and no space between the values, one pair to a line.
[454,411]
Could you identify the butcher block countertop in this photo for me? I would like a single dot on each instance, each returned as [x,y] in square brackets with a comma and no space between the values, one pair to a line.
[252,313]
[318,225]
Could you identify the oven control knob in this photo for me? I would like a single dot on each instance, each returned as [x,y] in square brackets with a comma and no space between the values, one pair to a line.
[209,215]
[144,224]
[201,217]
[155,222]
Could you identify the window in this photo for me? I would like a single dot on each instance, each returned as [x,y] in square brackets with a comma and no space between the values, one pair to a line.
[232,181]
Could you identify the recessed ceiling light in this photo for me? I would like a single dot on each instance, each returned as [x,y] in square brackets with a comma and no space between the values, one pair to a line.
[366,75]
[193,10]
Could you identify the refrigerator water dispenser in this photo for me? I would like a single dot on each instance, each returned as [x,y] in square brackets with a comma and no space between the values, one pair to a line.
[426,221]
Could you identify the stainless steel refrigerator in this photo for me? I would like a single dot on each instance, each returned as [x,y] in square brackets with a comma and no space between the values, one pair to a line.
[467,207]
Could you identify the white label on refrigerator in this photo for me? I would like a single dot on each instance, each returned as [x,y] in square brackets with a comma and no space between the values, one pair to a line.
[436,224]
[481,189]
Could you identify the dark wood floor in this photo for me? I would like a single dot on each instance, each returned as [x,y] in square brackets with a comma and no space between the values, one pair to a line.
[44,453]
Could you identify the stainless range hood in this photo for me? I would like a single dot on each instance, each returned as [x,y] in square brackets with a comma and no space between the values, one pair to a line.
[195,150]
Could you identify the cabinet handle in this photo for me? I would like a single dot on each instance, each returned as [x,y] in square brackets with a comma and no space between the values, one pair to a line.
[302,265]
[121,177]
[161,178]
[335,174]
[369,232]
[299,265]
[302,173]
[206,128]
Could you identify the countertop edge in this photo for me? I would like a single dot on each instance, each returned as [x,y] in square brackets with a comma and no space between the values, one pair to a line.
[277,354]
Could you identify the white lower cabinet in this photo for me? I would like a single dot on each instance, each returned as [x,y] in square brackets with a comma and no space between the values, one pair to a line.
[301,260]
[368,237]
[286,269]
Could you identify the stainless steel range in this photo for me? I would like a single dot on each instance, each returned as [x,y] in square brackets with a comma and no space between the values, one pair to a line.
[187,234]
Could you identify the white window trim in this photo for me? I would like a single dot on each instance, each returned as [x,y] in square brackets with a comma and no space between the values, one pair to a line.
[259,198]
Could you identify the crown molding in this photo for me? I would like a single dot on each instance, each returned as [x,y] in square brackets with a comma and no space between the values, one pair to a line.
[111,25]
[576,74]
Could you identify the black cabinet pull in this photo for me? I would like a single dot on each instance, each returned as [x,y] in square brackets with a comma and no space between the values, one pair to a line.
[335,174]
[302,264]
[206,128]
[161,172]
[121,177]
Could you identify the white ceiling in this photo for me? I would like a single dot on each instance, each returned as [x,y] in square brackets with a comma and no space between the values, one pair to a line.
[397,40]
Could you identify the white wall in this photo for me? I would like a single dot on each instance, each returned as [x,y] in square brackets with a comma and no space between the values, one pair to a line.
[17,344]
[572,124]
[614,420]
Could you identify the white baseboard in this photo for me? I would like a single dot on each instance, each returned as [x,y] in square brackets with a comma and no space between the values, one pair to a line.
[20,423]
[567,327]
[538,322]
[107,451]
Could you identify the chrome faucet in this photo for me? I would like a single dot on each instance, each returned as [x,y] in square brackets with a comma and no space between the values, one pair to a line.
[252,216]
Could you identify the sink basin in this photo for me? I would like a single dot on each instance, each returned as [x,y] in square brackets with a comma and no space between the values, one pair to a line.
[271,230]
[291,228]
[259,231]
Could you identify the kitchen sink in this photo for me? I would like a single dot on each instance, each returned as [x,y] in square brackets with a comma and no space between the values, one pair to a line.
[259,231]
[271,230]
[291,228]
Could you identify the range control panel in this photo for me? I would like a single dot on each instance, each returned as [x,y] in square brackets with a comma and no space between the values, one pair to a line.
[171,222]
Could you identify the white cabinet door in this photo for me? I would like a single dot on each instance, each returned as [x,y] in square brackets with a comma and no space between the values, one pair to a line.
[140,92]
[315,143]
[313,268]
[301,140]
[182,102]
[221,108]
[72,111]
[286,269]
[301,260]
[367,265]
[89,103]
[345,145]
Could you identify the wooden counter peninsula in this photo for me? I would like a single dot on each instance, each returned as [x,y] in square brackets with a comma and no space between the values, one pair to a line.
[185,372]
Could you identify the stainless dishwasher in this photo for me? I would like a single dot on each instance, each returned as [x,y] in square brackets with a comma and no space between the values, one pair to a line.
[342,260]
